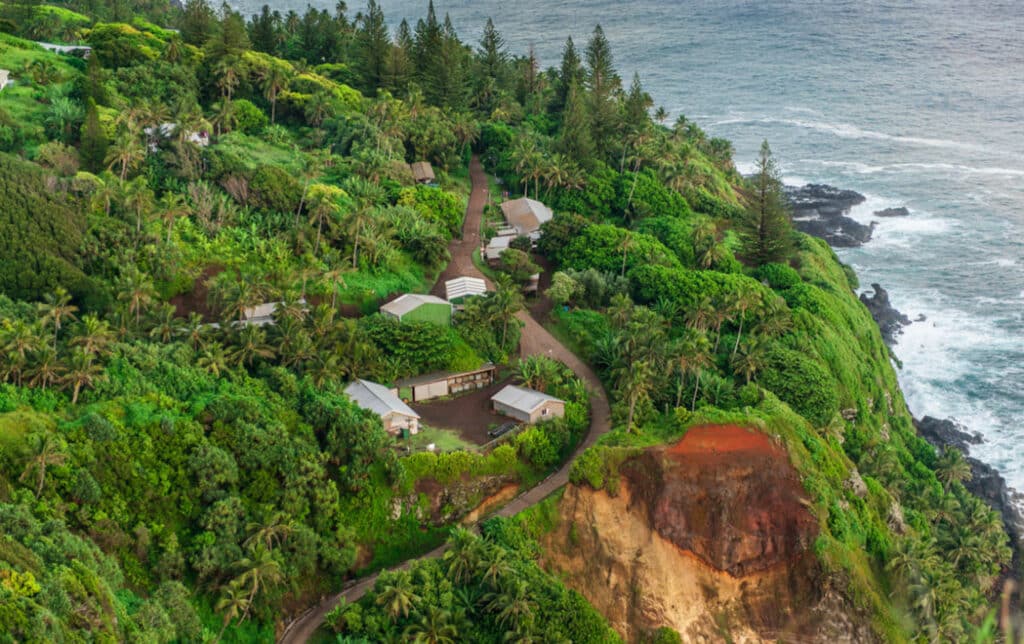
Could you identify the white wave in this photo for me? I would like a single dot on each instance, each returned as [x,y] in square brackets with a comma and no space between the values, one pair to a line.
[794,180]
[850,131]
[746,167]
[955,167]
[803,110]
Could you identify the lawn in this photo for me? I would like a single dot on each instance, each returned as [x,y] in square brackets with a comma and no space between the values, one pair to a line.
[444,440]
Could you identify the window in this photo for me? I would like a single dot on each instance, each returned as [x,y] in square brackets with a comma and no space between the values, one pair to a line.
[544,412]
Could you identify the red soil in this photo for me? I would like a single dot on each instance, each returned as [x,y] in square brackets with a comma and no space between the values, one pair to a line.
[727,494]
[717,439]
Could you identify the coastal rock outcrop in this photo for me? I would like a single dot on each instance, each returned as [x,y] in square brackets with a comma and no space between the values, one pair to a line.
[890,321]
[892,212]
[711,537]
[821,210]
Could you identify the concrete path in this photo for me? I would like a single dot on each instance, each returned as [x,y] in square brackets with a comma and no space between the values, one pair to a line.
[536,340]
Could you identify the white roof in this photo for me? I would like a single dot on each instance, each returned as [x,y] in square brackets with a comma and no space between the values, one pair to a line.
[526,215]
[410,302]
[377,398]
[497,246]
[463,287]
[264,310]
[522,399]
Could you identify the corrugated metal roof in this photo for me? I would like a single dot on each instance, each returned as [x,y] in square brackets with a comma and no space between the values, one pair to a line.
[522,399]
[264,310]
[464,286]
[526,215]
[410,302]
[377,398]
[497,246]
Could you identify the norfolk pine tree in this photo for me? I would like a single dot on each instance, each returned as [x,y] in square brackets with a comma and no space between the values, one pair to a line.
[766,230]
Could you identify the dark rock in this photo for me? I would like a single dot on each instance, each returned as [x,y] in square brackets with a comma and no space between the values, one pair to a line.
[822,210]
[986,482]
[942,433]
[889,320]
[892,212]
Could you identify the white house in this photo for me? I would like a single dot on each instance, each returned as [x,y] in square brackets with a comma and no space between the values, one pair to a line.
[166,130]
[5,78]
[395,414]
[527,405]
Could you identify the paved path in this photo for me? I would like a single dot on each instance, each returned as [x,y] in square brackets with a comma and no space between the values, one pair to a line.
[535,340]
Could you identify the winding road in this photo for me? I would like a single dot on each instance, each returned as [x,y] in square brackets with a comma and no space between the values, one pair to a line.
[536,340]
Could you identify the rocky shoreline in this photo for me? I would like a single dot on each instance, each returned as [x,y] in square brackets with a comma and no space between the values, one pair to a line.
[823,211]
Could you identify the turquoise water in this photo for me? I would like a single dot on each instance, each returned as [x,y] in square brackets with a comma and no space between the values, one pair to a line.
[916,103]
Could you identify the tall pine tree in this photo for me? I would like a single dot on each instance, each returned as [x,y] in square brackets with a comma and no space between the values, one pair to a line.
[766,231]
[373,47]
[93,147]
[604,84]
[570,73]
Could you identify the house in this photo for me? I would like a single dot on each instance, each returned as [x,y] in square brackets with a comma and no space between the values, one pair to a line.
[462,287]
[5,78]
[443,383]
[413,307]
[395,414]
[496,246]
[82,51]
[422,172]
[526,215]
[166,130]
[527,405]
[260,315]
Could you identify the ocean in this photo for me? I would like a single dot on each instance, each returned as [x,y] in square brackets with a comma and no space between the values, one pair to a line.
[915,103]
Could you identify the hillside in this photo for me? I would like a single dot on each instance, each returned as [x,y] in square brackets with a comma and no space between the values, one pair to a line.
[214,399]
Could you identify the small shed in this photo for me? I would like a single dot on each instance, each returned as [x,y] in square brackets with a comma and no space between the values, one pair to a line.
[414,307]
[444,383]
[462,287]
[261,314]
[526,215]
[422,172]
[496,246]
[395,414]
[527,405]
[5,78]
[82,51]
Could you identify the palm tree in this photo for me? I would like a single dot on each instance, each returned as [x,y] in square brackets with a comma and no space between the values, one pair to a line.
[494,566]
[275,79]
[433,627]
[228,73]
[504,303]
[694,356]
[46,368]
[107,192]
[194,330]
[635,382]
[213,359]
[45,452]
[136,289]
[139,198]
[627,244]
[740,304]
[325,209]
[251,344]
[168,325]
[127,150]
[513,604]
[56,308]
[172,207]
[82,372]
[356,227]
[952,468]
[749,360]
[463,556]
[260,571]
[273,532]
[234,604]
[396,594]
[93,335]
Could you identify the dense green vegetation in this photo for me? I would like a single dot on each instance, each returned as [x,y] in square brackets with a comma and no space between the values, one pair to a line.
[168,472]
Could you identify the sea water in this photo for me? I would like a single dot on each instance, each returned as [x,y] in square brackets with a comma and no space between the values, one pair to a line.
[915,103]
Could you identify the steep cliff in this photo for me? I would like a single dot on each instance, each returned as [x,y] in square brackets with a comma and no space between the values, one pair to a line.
[712,536]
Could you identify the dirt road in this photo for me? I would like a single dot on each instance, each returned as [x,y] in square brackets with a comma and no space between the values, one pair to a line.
[535,340]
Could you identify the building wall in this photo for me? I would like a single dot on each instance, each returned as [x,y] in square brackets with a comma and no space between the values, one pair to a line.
[395,422]
[511,413]
[434,313]
[547,411]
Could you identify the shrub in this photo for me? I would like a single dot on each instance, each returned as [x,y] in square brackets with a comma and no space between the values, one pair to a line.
[251,119]
[778,276]
[802,383]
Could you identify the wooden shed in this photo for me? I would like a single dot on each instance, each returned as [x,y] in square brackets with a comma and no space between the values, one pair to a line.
[422,172]
[394,414]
